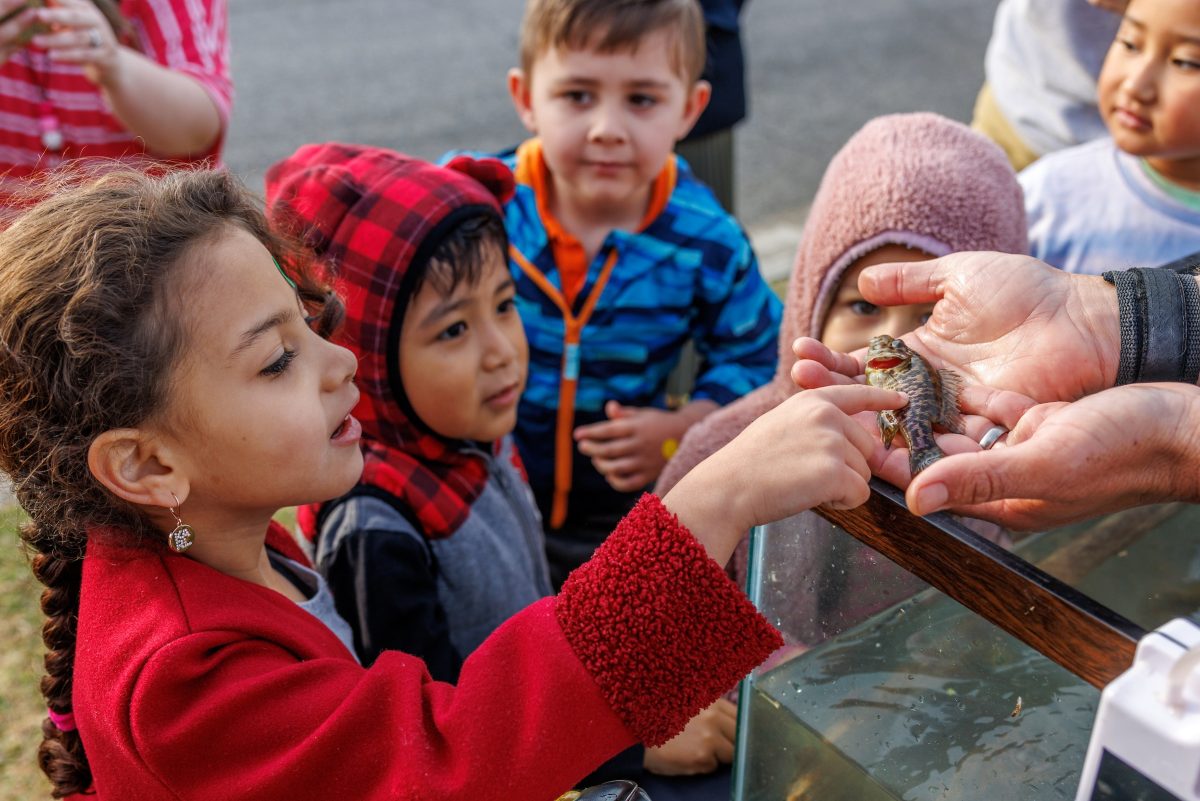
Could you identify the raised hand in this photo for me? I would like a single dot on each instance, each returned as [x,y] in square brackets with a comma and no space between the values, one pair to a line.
[807,451]
[628,448]
[1001,320]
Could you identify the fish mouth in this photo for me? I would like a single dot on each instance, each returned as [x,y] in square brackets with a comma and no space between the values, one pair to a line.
[885,362]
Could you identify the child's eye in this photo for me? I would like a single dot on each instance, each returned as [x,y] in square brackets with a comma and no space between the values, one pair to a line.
[1186,64]
[280,365]
[506,306]
[642,101]
[863,308]
[453,332]
[578,96]
[1126,44]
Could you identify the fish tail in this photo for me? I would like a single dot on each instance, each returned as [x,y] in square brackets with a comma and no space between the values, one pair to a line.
[920,458]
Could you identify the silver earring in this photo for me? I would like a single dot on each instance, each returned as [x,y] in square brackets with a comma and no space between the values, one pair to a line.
[182,537]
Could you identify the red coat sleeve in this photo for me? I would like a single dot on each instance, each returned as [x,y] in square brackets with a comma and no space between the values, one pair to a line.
[645,635]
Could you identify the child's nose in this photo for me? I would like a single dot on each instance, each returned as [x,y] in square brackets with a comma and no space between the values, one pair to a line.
[1141,82]
[499,350]
[341,366]
[607,124]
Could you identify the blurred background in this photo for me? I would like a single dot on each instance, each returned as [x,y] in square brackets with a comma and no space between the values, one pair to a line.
[424,76]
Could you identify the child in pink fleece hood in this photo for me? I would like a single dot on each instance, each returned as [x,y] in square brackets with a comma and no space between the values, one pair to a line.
[906,187]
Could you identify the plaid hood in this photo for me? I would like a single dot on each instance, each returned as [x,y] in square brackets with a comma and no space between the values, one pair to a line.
[375,216]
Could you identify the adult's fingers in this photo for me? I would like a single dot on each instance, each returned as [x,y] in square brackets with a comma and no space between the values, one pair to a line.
[1001,406]
[969,479]
[903,283]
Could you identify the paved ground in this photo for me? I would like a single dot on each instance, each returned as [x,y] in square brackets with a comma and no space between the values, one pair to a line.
[426,75]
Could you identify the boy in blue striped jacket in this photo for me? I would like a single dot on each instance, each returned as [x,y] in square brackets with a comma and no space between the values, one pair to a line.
[620,256]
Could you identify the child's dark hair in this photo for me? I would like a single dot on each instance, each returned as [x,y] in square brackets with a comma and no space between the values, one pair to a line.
[614,25]
[87,340]
[460,257]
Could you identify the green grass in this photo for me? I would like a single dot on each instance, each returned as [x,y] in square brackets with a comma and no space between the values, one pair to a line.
[21,706]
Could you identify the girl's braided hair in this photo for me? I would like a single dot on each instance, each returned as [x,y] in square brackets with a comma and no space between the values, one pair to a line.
[87,338]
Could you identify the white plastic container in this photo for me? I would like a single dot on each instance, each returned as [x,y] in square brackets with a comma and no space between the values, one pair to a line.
[1145,744]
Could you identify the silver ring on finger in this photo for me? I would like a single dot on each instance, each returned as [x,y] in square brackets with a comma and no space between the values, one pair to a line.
[94,40]
[992,436]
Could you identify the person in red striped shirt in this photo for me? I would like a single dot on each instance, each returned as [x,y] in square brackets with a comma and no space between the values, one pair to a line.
[116,79]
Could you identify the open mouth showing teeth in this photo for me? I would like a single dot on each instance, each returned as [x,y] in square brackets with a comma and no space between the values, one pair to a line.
[341,429]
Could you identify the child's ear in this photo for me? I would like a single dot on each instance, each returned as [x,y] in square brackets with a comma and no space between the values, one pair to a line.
[518,90]
[697,101]
[136,467]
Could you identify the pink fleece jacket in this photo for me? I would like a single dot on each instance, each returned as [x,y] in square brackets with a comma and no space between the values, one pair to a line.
[918,180]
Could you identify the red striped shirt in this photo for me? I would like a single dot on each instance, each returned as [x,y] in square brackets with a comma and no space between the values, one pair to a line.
[188,36]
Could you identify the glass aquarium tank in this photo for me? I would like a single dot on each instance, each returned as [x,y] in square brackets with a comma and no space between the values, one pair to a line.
[891,689]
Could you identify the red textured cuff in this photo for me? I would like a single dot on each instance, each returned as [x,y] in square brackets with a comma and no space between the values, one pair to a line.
[659,625]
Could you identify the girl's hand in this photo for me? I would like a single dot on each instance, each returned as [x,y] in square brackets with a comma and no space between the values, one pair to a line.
[705,743]
[805,452]
[79,34]
[628,448]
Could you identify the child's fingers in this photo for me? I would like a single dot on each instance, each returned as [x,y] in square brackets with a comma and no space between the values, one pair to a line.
[854,490]
[616,411]
[622,466]
[864,440]
[603,430]
[631,482]
[855,398]
[608,449]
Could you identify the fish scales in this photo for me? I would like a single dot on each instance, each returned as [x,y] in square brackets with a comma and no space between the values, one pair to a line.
[932,399]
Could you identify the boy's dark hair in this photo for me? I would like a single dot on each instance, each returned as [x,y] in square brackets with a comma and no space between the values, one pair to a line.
[461,255]
[614,25]
[88,337]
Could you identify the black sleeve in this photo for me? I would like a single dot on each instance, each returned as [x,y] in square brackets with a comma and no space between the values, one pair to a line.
[1188,264]
[385,585]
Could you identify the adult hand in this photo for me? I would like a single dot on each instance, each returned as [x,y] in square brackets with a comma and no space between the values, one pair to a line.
[629,449]
[705,743]
[1062,462]
[1004,321]
[79,34]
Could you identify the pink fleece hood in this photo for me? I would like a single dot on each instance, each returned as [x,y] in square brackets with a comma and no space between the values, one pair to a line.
[918,180]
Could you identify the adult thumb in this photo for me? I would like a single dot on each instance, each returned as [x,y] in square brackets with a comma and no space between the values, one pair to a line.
[967,479]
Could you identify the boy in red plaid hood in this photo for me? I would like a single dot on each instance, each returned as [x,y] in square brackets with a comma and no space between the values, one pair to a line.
[440,541]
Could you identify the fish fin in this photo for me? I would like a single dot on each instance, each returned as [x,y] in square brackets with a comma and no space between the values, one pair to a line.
[918,460]
[889,426]
[948,415]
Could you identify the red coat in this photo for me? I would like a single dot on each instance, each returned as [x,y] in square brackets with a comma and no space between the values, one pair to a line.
[193,684]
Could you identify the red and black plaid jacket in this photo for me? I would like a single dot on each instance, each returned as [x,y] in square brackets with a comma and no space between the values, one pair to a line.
[376,216]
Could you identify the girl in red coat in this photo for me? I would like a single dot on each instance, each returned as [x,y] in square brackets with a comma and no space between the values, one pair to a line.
[165,387]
